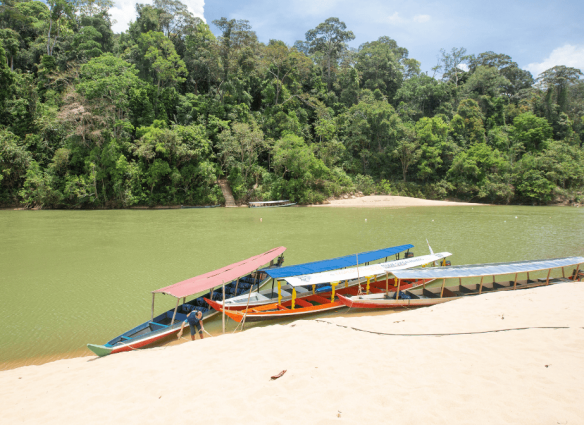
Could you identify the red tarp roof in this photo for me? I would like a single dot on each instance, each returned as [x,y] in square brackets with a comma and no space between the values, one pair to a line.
[226,274]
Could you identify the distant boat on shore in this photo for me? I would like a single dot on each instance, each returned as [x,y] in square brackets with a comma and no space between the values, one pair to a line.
[202,206]
[271,204]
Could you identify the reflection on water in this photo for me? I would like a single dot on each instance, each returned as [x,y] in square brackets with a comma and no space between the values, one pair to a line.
[73,277]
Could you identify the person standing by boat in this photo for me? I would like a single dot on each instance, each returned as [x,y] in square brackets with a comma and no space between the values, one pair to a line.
[195,321]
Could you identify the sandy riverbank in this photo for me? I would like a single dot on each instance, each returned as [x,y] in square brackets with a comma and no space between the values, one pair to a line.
[388,201]
[335,374]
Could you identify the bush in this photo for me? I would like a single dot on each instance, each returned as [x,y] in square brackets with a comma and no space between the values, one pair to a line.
[364,184]
[384,187]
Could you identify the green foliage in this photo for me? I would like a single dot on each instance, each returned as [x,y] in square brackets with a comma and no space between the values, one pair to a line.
[157,114]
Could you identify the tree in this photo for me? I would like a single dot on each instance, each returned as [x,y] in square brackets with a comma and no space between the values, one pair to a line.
[236,35]
[531,131]
[240,147]
[6,78]
[450,64]
[59,11]
[293,158]
[160,57]
[378,62]
[467,126]
[407,150]
[556,80]
[108,80]
[283,65]
[200,60]
[329,38]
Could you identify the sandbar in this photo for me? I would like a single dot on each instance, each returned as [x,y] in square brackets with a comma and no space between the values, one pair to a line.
[389,201]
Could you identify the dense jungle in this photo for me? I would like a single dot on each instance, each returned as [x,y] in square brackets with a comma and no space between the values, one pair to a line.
[157,114]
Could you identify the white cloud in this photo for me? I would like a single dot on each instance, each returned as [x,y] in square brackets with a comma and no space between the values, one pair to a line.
[464,67]
[395,19]
[568,55]
[421,18]
[124,11]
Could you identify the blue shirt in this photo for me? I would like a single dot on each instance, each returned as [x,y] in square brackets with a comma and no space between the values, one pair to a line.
[192,319]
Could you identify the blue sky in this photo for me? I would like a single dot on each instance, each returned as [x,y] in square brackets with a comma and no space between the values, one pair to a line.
[536,34]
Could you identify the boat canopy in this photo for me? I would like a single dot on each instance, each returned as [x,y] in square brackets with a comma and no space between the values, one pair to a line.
[492,269]
[365,271]
[335,263]
[225,274]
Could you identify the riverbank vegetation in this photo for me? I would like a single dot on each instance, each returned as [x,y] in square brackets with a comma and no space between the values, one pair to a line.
[157,114]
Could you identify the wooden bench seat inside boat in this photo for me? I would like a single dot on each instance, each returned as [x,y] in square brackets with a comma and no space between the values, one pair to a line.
[448,293]
[504,284]
[431,292]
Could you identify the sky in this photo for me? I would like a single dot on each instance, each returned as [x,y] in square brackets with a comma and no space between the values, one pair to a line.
[536,34]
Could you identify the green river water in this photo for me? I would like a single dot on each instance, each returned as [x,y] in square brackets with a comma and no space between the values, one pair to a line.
[72,277]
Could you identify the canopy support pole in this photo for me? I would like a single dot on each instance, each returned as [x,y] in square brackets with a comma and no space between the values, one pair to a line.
[444,283]
[333,284]
[346,283]
[223,309]
[576,275]
[563,273]
[175,309]
[273,281]
[387,284]
[279,293]
[246,309]
[152,316]
[547,281]
[397,292]
[368,281]
[359,291]
[293,298]
[527,277]
[313,289]
[515,282]
[236,285]
[481,286]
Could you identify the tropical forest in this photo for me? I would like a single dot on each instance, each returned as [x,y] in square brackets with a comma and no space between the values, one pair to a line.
[158,114]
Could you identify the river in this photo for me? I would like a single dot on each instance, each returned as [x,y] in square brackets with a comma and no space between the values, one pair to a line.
[72,277]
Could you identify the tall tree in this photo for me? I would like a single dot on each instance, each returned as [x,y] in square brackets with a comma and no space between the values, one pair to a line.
[329,38]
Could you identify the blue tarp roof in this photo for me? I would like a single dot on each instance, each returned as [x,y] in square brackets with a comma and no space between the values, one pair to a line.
[335,263]
[476,270]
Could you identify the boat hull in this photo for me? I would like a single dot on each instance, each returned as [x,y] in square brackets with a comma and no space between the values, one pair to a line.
[378,301]
[304,306]
[153,331]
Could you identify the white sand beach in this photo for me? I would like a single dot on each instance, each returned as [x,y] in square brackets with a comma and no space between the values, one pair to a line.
[388,201]
[334,374]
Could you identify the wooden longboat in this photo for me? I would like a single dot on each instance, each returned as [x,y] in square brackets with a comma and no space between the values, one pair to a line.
[271,204]
[310,303]
[305,301]
[423,297]
[243,276]
[321,276]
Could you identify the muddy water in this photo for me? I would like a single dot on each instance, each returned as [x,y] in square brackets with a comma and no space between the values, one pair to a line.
[72,277]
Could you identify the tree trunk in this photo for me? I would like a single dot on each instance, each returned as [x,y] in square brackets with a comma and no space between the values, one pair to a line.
[49,37]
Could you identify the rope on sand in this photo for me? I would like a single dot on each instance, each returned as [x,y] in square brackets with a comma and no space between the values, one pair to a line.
[448,334]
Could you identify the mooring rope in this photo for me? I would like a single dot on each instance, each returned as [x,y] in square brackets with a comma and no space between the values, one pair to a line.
[447,334]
